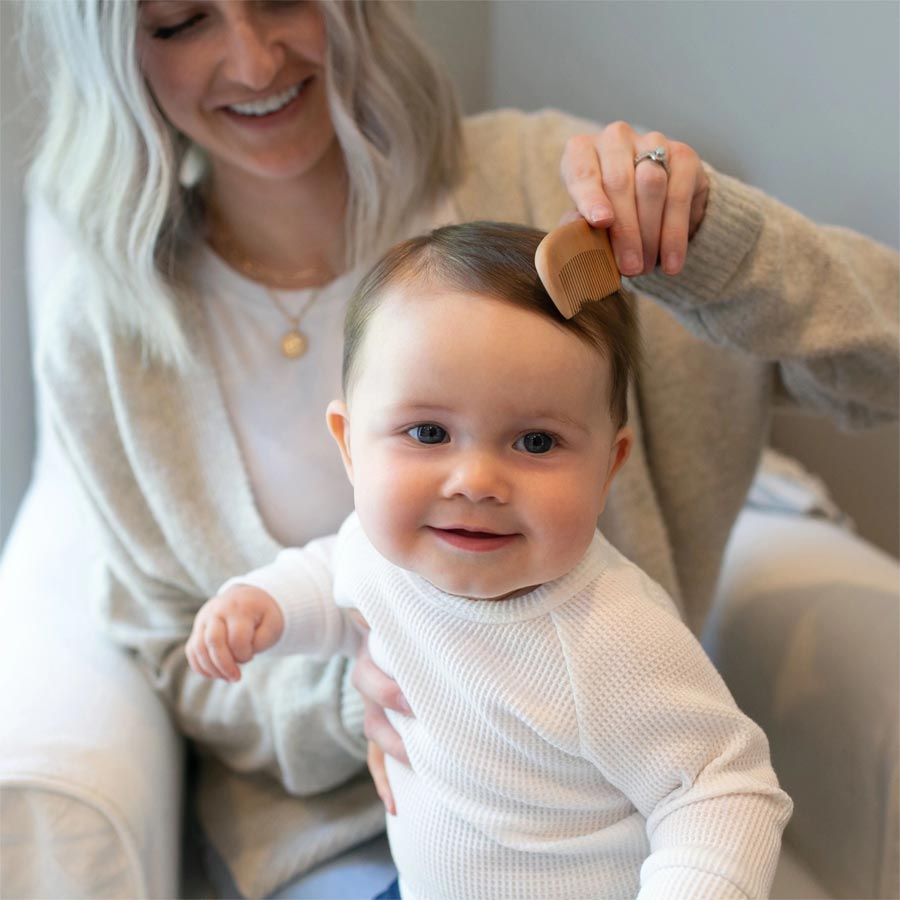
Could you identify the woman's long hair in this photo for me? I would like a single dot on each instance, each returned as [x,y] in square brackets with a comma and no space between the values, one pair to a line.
[110,167]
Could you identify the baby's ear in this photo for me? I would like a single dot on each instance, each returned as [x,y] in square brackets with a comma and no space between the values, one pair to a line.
[618,456]
[338,418]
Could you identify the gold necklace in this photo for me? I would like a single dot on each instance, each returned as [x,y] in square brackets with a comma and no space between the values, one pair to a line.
[293,342]
[223,243]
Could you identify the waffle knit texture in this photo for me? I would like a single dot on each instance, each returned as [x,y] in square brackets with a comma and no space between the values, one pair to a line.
[572,742]
[769,308]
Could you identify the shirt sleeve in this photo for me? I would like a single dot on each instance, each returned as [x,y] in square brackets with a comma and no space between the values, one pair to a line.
[300,580]
[655,717]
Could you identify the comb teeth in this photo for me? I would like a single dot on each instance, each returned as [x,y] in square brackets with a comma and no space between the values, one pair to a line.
[588,276]
[576,265]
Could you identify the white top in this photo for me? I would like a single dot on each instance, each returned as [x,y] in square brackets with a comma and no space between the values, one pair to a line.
[277,405]
[572,742]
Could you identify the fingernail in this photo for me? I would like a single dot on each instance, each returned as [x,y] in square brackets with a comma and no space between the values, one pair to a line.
[673,264]
[631,263]
[600,213]
[404,706]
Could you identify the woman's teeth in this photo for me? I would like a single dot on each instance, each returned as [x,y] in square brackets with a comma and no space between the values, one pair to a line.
[269,104]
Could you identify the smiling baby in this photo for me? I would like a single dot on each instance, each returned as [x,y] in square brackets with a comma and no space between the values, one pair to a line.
[570,738]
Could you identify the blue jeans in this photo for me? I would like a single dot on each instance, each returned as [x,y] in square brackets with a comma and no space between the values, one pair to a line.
[392,892]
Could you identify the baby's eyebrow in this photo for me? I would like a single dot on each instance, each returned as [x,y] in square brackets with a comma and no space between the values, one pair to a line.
[558,417]
[417,408]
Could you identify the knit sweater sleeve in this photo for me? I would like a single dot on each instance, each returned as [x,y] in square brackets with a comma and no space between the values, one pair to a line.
[161,473]
[817,302]
[656,719]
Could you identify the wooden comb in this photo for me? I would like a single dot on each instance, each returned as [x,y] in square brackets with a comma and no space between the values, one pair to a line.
[576,264]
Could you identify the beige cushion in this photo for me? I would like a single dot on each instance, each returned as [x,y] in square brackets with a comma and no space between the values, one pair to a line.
[804,631]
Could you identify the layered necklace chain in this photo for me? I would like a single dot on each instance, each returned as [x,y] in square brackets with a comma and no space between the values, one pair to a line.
[293,342]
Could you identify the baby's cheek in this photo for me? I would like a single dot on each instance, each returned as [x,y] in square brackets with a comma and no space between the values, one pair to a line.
[383,522]
[571,535]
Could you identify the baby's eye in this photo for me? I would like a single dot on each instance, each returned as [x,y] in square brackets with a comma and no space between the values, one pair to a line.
[428,434]
[535,442]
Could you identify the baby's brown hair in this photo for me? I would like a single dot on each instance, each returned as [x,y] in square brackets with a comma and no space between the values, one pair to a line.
[497,260]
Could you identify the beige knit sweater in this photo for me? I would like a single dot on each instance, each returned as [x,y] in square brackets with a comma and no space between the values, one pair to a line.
[768,307]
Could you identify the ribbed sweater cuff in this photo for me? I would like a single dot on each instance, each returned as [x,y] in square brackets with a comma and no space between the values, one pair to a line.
[730,228]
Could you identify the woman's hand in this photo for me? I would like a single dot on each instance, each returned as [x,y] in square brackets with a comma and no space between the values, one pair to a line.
[379,692]
[650,215]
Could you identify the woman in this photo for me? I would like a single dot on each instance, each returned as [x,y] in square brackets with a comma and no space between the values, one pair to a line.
[224,172]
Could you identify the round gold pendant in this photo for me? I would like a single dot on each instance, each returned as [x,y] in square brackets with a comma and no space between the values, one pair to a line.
[293,344]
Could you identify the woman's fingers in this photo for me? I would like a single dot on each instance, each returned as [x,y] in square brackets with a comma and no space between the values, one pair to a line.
[378,770]
[686,195]
[375,686]
[651,184]
[651,213]
[377,728]
[580,170]
[379,692]
[616,145]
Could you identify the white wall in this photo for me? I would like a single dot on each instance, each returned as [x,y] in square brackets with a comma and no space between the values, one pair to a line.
[798,98]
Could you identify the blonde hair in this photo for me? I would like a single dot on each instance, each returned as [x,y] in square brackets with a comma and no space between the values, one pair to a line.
[108,164]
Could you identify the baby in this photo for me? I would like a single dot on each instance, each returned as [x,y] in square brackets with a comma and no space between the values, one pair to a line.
[570,739]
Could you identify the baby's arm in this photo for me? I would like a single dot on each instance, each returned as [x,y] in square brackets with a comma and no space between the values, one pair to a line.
[674,742]
[288,603]
[231,629]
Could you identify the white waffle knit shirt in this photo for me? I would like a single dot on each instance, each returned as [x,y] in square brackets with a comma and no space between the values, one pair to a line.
[573,742]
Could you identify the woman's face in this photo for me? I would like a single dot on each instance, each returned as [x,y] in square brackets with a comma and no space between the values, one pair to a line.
[244,79]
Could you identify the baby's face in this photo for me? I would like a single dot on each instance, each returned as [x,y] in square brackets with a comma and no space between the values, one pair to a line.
[479,442]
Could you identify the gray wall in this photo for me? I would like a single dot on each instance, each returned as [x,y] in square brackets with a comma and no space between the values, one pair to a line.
[798,98]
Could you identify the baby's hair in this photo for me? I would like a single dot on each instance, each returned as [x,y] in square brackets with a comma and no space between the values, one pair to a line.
[495,259]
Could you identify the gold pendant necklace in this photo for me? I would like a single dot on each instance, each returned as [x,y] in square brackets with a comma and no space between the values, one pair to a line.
[293,342]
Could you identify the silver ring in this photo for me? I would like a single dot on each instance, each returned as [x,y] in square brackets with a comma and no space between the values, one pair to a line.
[657,155]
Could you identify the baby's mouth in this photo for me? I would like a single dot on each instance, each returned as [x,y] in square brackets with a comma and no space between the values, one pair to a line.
[472,539]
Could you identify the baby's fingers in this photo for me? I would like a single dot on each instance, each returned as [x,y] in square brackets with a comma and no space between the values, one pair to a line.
[269,629]
[197,656]
[240,638]
[216,642]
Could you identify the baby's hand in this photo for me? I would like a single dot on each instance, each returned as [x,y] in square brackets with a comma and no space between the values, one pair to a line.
[231,628]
